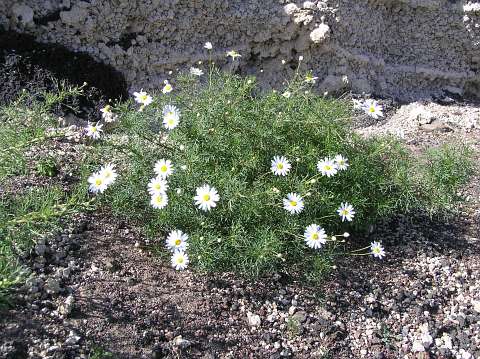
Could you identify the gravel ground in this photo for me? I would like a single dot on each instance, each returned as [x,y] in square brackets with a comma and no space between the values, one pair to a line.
[96,284]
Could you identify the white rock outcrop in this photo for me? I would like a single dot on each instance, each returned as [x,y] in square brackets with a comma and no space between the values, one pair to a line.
[408,49]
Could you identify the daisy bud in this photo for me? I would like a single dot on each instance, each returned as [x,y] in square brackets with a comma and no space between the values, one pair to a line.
[308,194]
[199,62]
[183,167]
[261,70]
[279,255]
[201,238]
[283,62]
[182,147]
[169,72]
[202,224]
[312,181]
[334,238]
[179,191]
[346,234]
[219,240]
[300,58]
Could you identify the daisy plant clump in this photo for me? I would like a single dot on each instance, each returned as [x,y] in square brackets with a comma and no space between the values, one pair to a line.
[234,179]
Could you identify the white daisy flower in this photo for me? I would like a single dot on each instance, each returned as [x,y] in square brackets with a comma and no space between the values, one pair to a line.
[287,94]
[106,110]
[233,54]
[196,71]
[208,45]
[109,173]
[206,198]
[157,185]
[180,260]
[373,109]
[163,168]
[171,117]
[159,200]
[315,236]
[327,167]
[310,79]
[167,88]
[97,183]
[280,166]
[377,250]
[107,114]
[341,162]
[357,104]
[143,98]
[293,203]
[177,241]
[94,131]
[346,211]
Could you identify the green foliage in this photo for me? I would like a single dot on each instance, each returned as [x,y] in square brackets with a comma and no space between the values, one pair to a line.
[100,353]
[24,123]
[28,213]
[227,137]
[47,167]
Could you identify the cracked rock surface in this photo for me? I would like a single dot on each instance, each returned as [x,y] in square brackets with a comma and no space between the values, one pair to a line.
[406,49]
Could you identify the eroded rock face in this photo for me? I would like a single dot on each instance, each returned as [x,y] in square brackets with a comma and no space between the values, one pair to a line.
[407,49]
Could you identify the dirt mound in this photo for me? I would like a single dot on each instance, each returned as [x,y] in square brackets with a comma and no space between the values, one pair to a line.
[36,67]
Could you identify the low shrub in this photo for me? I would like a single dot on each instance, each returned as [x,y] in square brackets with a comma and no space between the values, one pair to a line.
[222,134]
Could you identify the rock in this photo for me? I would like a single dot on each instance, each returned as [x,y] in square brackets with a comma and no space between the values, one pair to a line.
[290,9]
[52,286]
[72,339]
[320,34]
[300,316]
[40,249]
[181,343]
[476,305]
[418,347]
[253,319]
[23,13]
[66,308]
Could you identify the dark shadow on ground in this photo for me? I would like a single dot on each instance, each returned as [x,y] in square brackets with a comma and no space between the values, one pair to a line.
[27,64]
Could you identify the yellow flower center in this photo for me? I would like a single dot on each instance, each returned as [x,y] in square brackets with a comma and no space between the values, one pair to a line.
[280,166]
[143,98]
[293,203]
[178,242]
[107,108]
[108,174]
[344,212]
[94,129]
[158,199]
[376,250]
[372,109]
[167,88]
[157,186]
[180,260]
[206,197]
[164,168]
[328,168]
[315,236]
[98,181]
